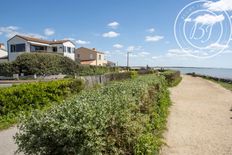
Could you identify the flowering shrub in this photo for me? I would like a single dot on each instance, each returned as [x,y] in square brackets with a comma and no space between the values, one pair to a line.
[125,117]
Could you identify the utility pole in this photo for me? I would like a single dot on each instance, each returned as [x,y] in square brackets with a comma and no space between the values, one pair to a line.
[128,54]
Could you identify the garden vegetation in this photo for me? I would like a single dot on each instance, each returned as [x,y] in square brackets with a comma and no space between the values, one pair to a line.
[172,77]
[49,64]
[125,117]
[37,95]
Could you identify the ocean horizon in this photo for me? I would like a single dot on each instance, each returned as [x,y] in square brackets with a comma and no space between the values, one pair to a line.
[225,73]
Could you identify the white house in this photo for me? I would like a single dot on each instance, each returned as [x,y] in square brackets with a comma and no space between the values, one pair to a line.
[23,44]
[3,53]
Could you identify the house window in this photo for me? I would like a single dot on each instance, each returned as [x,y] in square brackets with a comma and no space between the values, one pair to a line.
[73,50]
[99,57]
[69,49]
[91,56]
[38,48]
[18,48]
[78,55]
[12,48]
[64,49]
[54,49]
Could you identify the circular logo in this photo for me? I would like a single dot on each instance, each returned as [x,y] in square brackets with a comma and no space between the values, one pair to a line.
[202,31]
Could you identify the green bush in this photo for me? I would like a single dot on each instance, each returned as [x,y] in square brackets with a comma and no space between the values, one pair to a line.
[26,97]
[44,64]
[173,77]
[50,64]
[120,76]
[150,71]
[84,70]
[133,74]
[7,69]
[120,118]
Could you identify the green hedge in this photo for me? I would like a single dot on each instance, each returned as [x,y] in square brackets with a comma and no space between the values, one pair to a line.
[50,64]
[26,97]
[120,118]
[8,69]
[84,70]
[44,63]
[173,77]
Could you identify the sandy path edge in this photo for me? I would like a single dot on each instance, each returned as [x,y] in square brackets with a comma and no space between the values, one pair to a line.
[200,119]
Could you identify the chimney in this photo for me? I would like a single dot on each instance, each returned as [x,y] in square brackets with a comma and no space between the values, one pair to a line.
[2,46]
[94,49]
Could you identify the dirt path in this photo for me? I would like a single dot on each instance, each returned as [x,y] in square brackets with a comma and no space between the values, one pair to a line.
[200,122]
[7,146]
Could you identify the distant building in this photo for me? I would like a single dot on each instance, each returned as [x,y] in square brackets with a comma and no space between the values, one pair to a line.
[111,64]
[3,53]
[88,56]
[23,44]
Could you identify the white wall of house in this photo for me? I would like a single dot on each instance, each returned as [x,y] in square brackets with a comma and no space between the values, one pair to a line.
[71,54]
[101,59]
[3,53]
[16,40]
[60,48]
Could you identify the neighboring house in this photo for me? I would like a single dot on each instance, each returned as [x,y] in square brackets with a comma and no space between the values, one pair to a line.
[111,64]
[23,44]
[3,53]
[88,56]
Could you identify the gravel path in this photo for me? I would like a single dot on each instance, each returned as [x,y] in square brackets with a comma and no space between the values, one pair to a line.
[7,146]
[200,122]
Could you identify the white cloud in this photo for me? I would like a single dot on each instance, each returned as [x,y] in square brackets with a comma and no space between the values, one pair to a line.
[110,34]
[118,46]
[217,46]
[177,53]
[82,42]
[151,30]
[188,20]
[221,5]
[208,19]
[134,48]
[156,57]
[130,48]
[113,25]
[49,32]
[145,53]
[10,31]
[153,38]
[134,55]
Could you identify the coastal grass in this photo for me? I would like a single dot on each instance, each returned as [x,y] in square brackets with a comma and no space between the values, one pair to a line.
[223,84]
[226,83]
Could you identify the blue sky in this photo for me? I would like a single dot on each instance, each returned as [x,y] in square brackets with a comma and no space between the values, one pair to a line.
[143,27]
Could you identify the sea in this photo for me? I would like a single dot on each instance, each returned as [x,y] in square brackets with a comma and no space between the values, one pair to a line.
[214,72]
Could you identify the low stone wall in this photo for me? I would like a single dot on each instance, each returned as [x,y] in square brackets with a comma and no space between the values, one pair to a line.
[95,80]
